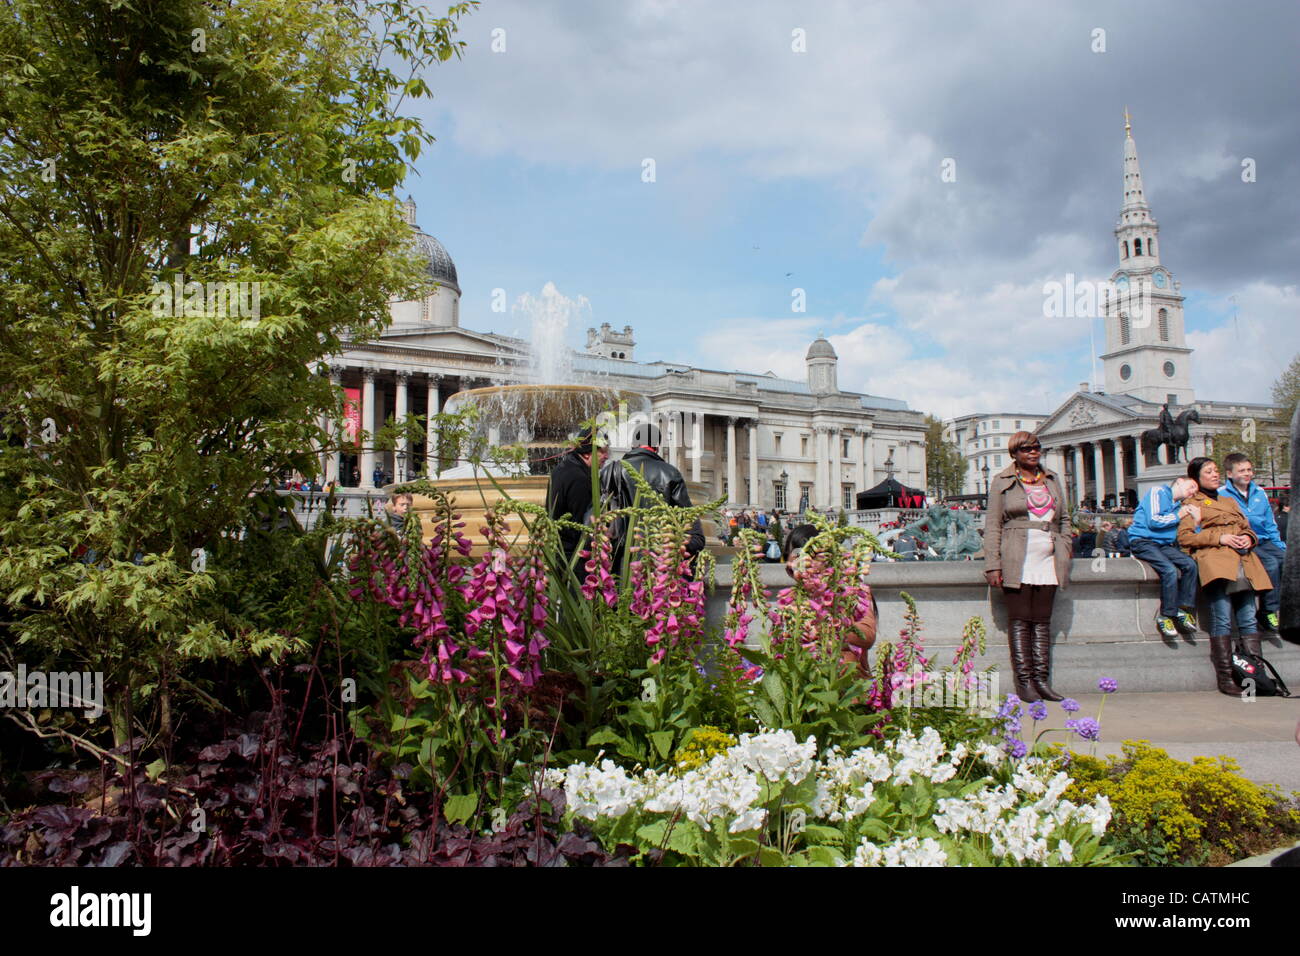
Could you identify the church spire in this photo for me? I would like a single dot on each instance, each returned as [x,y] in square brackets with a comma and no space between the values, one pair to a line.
[1136,229]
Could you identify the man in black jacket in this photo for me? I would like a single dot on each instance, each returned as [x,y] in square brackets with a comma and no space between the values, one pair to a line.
[569,493]
[620,491]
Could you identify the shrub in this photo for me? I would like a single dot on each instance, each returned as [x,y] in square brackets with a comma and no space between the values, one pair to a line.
[1173,811]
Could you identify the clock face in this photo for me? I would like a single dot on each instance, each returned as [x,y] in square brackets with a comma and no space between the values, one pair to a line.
[1160,280]
[1122,283]
[1125,372]
[1169,369]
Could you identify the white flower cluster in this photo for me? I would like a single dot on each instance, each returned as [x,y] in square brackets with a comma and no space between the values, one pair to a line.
[909,852]
[1019,820]
[728,786]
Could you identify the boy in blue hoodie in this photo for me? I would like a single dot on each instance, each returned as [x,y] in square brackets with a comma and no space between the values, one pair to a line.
[1152,538]
[1253,502]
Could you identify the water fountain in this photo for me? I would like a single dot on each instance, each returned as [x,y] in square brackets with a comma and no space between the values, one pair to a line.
[541,415]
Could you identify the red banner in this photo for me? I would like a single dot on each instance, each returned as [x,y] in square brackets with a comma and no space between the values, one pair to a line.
[352,414]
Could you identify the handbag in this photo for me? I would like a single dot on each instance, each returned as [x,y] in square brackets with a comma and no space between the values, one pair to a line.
[1242,583]
[1263,676]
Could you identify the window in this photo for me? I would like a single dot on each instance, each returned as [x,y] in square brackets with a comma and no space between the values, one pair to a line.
[1172,399]
[1125,245]
[847,453]
[1169,369]
[848,498]
[1125,372]
[780,495]
[1123,329]
[1164,324]
[805,495]
[1018,426]
[997,426]
[1137,247]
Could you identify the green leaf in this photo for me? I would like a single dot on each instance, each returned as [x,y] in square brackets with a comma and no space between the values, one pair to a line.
[663,741]
[817,834]
[770,856]
[459,808]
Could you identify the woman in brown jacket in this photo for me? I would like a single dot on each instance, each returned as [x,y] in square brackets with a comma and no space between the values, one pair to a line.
[1027,555]
[1218,536]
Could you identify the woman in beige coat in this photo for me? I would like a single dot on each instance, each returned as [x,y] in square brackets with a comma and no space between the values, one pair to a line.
[1218,536]
[1027,555]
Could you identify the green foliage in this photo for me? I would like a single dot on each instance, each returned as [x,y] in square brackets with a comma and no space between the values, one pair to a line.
[1172,812]
[945,466]
[146,146]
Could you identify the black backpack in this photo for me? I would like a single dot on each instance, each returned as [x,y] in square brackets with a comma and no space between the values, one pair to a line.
[1263,676]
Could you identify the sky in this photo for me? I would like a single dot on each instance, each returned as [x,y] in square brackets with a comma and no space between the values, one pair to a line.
[919,170]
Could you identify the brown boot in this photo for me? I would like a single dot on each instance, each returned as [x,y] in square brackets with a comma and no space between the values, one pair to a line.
[1042,644]
[1019,636]
[1251,643]
[1221,658]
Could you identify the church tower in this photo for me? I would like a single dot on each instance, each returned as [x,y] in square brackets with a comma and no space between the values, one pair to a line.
[1146,350]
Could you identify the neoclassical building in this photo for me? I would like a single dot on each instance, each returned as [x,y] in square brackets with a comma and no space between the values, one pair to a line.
[753,438]
[1093,439]
[982,439]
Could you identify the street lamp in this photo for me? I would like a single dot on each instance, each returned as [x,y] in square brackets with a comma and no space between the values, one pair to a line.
[400,467]
[785,488]
[985,469]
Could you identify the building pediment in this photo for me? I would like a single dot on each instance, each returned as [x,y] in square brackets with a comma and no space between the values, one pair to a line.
[445,340]
[1083,411]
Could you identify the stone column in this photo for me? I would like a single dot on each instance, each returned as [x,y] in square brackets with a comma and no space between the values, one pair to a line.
[835,445]
[869,460]
[1099,470]
[821,483]
[369,422]
[335,430]
[753,463]
[696,451]
[1080,477]
[432,460]
[1139,463]
[862,459]
[1118,445]
[668,435]
[733,496]
[402,456]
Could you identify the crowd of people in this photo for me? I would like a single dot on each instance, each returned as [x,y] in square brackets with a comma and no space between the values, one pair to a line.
[1204,536]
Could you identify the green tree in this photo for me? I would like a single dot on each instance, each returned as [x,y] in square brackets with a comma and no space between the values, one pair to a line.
[945,466]
[171,144]
[1268,443]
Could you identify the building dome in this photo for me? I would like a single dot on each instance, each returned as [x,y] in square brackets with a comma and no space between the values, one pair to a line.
[440,267]
[821,349]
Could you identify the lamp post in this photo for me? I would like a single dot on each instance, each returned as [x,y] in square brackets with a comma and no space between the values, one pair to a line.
[400,467]
[985,469]
[785,488]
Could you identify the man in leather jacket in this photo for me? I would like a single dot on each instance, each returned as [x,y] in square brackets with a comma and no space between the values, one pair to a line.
[620,491]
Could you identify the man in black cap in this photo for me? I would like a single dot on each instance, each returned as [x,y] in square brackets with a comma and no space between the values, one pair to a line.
[620,490]
[569,493]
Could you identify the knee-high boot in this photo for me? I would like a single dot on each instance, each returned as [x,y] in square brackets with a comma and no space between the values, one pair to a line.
[1019,634]
[1042,644]
[1251,643]
[1221,658]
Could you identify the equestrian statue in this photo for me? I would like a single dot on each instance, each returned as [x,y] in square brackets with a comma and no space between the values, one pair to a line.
[1172,433]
